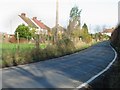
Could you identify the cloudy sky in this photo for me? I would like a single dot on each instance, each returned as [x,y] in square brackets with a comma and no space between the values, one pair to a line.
[94,12]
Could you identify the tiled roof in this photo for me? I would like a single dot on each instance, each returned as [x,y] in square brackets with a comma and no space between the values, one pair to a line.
[108,31]
[39,23]
[27,20]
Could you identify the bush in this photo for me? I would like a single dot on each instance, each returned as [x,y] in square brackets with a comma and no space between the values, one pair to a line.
[62,47]
[52,51]
[28,55]
[115,39]
[88,39]
[7,59]
[22,58]
[15,58]
[65,46]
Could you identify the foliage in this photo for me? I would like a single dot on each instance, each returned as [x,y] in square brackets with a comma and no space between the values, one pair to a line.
[28,54]
[115,38]
[85,28]
[32,32]
[100,37]
[25,32]
[74,21]
[97,36]
[75,14]
[65,46]
[106,37]
[84,34]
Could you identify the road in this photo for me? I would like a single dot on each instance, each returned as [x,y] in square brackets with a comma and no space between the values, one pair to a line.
[65,72]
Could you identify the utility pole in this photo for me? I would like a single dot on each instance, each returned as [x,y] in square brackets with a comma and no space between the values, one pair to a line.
[56,31]
[57,13]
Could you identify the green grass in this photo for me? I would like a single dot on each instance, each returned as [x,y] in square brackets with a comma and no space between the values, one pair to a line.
[43,46]
[27,53]
[10,47]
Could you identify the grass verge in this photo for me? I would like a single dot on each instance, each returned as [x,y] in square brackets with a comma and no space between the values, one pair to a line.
[11,56]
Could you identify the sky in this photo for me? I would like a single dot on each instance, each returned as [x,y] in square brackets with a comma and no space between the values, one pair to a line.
[95,13]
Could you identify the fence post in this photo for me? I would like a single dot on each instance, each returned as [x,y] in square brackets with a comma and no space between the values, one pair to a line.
[18,41]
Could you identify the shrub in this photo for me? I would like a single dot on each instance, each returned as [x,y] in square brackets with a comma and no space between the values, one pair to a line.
[115,39]
[35,53]
[13,56]
[7,59]
[52,51]
[65,46]
[22,58]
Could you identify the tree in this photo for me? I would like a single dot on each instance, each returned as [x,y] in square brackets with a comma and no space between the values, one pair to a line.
[85,28]
[33,31]
[24,32]
[74,21]
[75,14]
[84,34]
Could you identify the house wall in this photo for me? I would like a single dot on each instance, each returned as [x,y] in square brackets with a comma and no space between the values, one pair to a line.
[40,30]
[12,39]
[109,34]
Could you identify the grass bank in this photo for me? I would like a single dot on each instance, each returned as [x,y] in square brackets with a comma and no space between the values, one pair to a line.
[27,53]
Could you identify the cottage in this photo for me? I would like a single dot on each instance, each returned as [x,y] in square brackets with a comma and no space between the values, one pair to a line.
[108,31]
[42,28]
[27,20]
[35,23]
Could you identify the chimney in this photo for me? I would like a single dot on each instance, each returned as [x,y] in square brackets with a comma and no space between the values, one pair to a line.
[34,18]
[23,14]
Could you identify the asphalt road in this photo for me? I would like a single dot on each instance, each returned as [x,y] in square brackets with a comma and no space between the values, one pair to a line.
[64,72]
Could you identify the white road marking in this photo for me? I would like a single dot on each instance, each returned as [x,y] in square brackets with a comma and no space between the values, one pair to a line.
[91,79]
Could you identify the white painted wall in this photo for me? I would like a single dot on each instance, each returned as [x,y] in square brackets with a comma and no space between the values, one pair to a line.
[109,34]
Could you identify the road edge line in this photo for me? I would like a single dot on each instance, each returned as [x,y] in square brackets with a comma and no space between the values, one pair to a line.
[100,73]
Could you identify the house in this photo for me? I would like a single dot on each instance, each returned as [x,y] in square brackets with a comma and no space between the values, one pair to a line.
[27,20]
[108,31]
[61,29]
[35,23]
[42,28]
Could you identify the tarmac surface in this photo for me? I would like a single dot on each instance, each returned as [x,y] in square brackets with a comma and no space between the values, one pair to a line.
[65,72]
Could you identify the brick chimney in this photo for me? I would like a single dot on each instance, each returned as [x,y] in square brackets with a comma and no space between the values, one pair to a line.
[23,14]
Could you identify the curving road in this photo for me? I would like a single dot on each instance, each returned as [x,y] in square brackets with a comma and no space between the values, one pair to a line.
[64,72]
